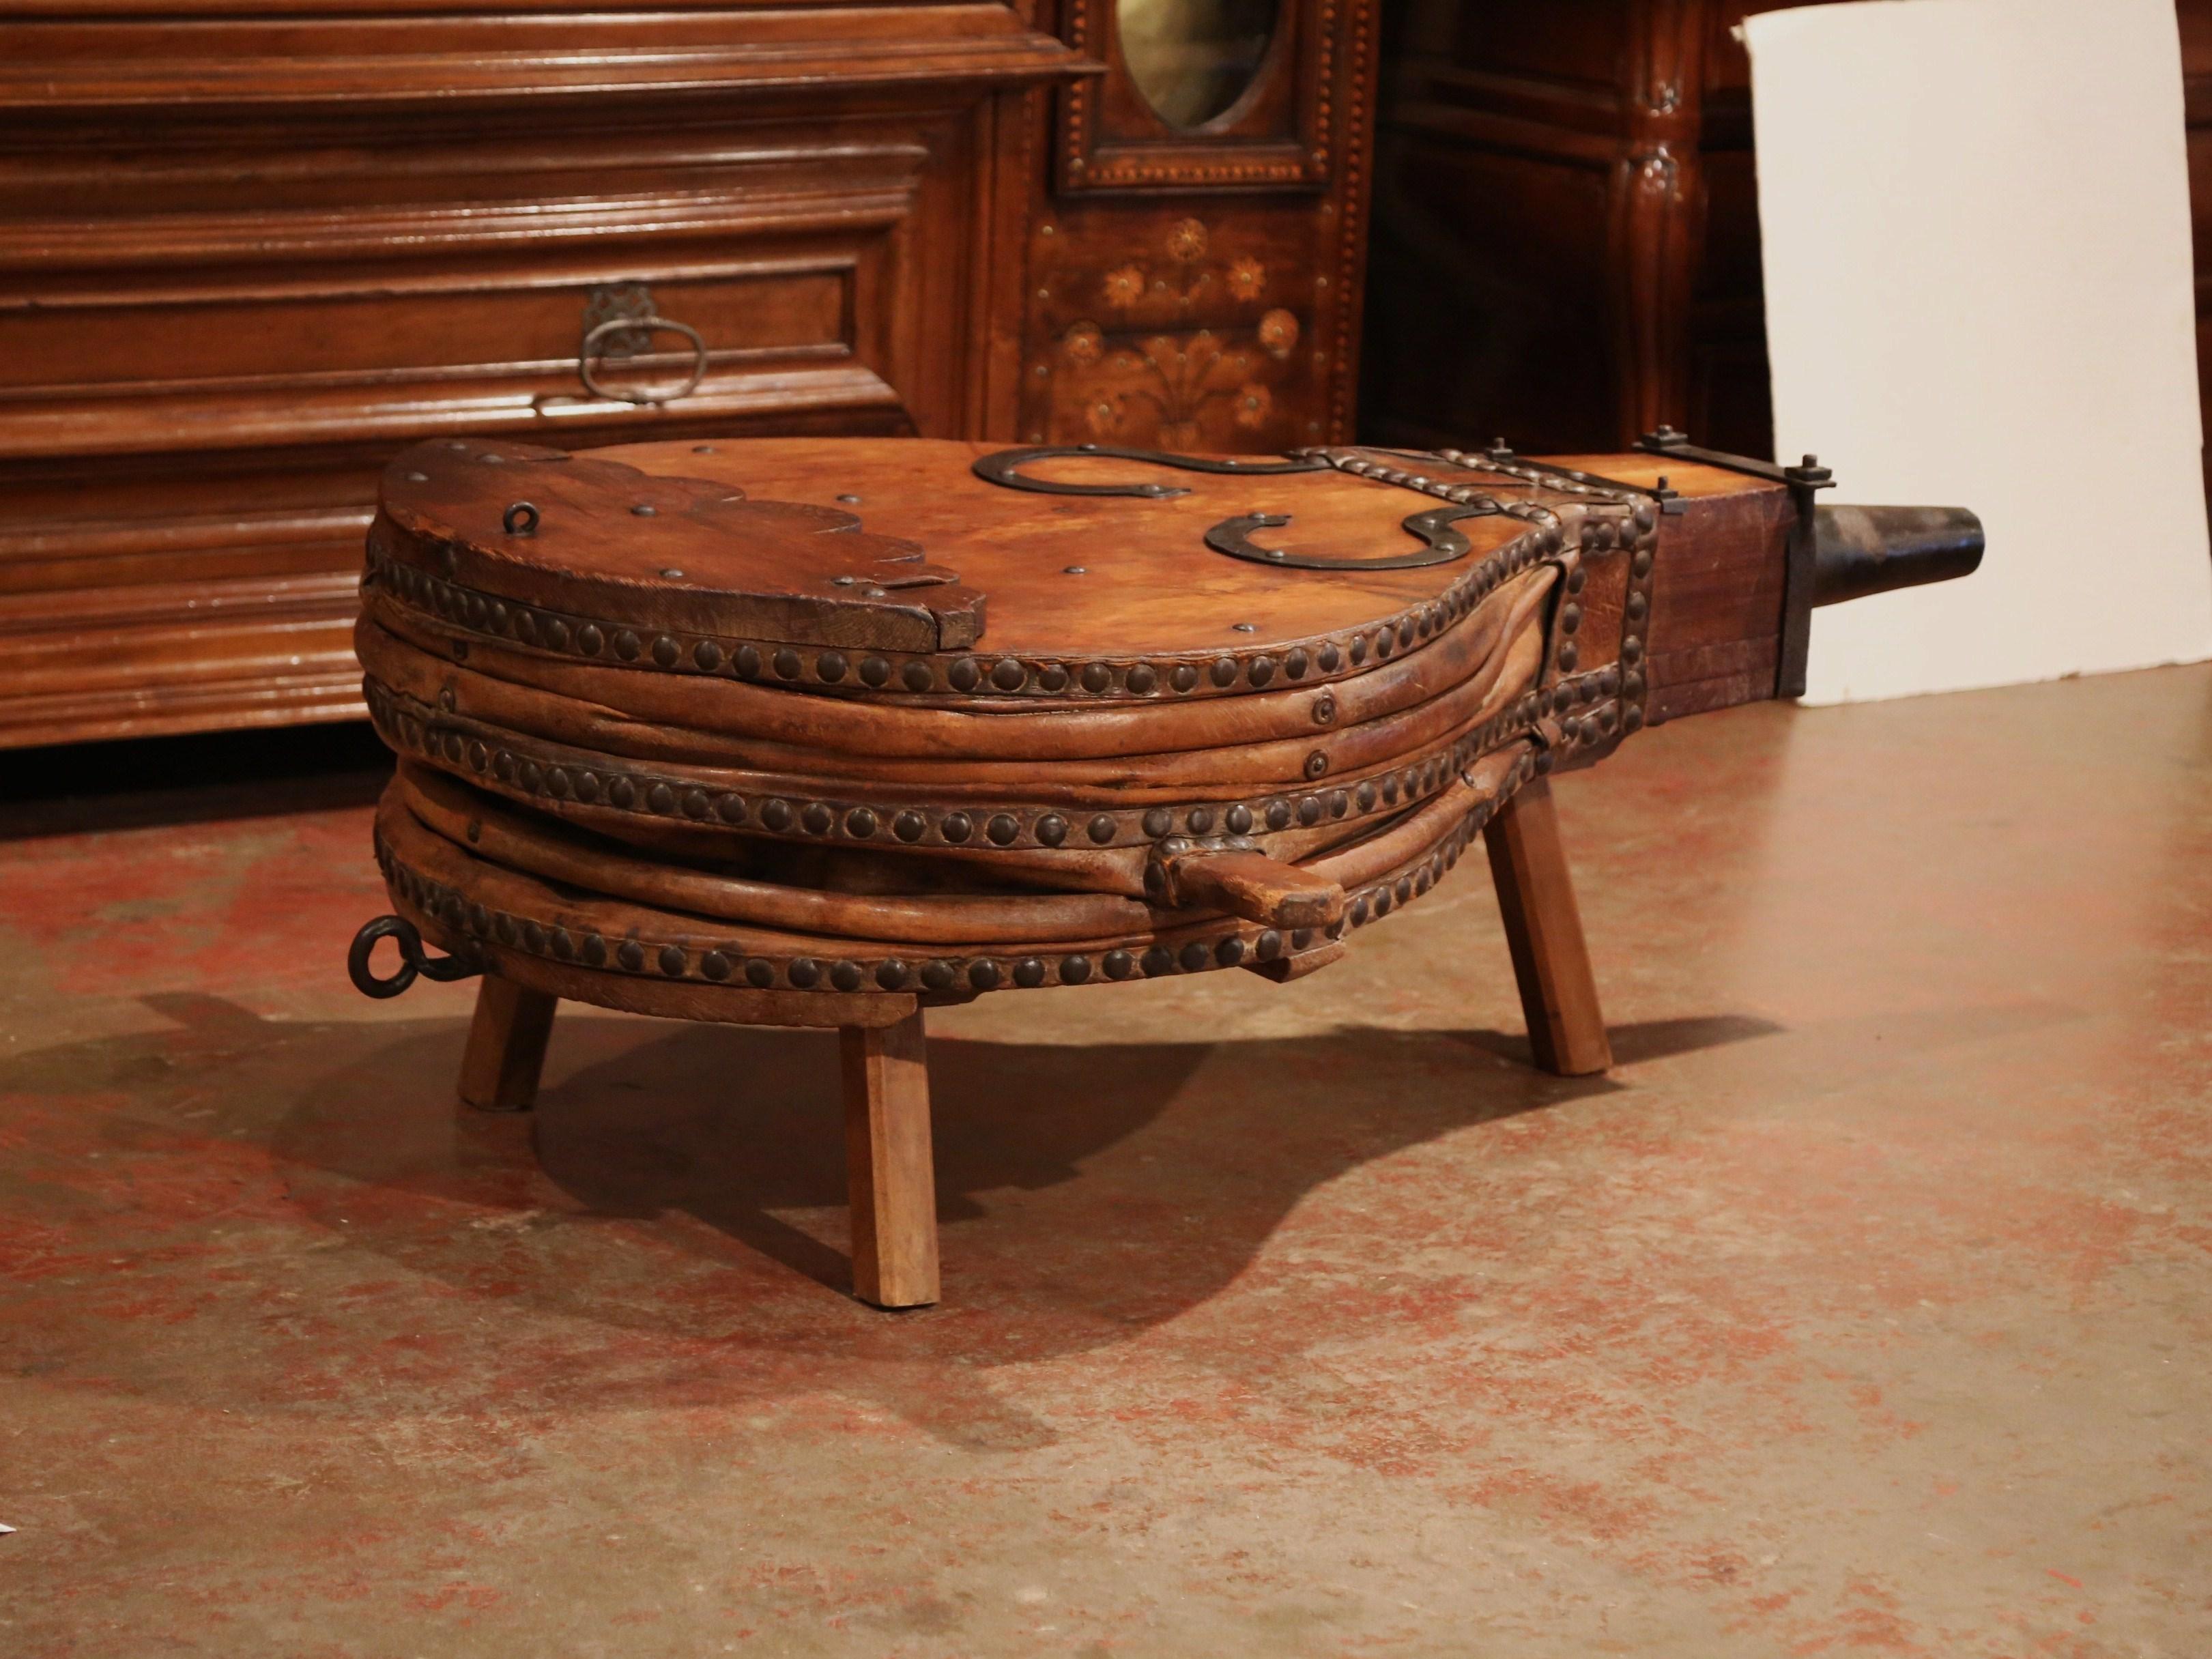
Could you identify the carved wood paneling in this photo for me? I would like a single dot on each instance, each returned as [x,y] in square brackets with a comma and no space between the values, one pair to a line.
[256,247]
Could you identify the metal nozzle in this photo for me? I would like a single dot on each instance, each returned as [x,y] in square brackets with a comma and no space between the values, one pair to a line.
[1858,550]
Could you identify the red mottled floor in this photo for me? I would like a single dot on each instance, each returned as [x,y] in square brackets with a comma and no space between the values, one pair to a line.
[1864,1310]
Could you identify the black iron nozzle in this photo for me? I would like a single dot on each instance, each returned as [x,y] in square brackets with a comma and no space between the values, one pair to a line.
[1858,550]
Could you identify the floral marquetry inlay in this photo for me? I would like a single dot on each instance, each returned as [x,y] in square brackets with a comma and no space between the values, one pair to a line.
[1180,350]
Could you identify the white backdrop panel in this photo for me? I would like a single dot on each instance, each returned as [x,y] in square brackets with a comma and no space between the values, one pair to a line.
[1979,294]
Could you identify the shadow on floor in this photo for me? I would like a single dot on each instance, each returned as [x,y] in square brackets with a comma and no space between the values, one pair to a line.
[680,1194]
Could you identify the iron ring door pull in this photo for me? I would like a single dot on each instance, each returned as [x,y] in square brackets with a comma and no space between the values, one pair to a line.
[600,332]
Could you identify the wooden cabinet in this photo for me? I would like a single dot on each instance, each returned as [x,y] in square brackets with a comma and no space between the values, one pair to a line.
[254,249]
[1566,235]
[1566,225]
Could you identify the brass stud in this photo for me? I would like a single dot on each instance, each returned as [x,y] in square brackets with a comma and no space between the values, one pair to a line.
[845,976]
[1262,670]
[1278,815]
[965,674]
[1029,973]
[1184,677]
[595,951]
[1225,671]
[731,809]
[665,651]
[1296,664]
[1052,678]
[621,791]
[749,661]
[1052,829]
[803,972]
[707,655]
[1238,819]
[908,826]
[916,677]
[957,827]
[830,666]
[776,814]
[1097,676]
[890,973]
[815,817]
[1119,964]
[628,646]
[695,804]
[660,798]
[874,671]
[715,966]
[787,666]
[1143,679]
[760,973]
[983,973]
[1002,827]
[630,954]
[1200,820]
[859,824]
[936,975]
[1100,828]
[1268,945]
[1009,675]
[1075,970]
[1329,658]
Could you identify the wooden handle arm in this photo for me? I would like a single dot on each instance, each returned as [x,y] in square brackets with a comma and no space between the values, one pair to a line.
[1250,884]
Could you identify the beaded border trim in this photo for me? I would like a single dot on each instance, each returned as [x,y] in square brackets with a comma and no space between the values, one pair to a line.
[904,675]
[687,958]
[535,770]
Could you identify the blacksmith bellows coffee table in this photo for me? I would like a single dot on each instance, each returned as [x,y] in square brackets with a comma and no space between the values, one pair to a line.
[824,732]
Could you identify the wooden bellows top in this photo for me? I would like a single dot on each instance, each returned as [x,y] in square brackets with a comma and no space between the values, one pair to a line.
[891,569]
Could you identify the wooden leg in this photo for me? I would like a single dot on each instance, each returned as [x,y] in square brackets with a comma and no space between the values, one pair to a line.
[507,1046]
[888,1161]
[1545,932]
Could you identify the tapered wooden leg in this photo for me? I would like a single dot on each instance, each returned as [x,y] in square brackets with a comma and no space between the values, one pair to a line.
[887,1158]
[507,1046]
[1545,932]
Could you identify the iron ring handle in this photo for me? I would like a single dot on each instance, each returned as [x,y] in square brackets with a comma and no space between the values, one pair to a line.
[401,932]
[619,325]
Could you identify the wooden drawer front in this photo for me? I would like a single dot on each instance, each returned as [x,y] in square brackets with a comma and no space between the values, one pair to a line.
[204,367]
[511,325]
[146,333]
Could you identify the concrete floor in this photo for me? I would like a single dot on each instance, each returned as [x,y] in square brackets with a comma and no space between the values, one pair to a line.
[1866,1309]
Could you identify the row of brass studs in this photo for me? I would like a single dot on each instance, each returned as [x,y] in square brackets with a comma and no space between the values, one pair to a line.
[729,964]
[1639,533]
[567,634]
[410,727]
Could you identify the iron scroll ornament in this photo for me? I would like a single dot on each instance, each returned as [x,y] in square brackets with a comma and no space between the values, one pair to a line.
[1004,467]
[1233,536]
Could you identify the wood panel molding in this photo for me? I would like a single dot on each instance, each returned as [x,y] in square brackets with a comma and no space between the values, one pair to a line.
[257,246]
